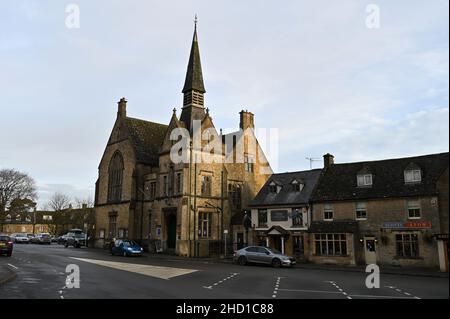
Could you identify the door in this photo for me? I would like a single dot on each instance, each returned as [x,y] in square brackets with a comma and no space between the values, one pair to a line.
[277,243]
[171,231]
[240,240]
[370,250]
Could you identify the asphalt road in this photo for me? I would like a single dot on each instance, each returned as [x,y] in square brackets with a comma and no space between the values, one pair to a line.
[41,273]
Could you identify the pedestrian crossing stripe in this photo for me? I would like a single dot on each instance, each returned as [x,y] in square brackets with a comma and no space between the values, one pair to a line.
[147,270]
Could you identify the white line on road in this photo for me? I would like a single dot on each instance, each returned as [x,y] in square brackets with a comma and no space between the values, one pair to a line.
[221,281]
[276,289]
[312,291]
[402,292]
[10,265]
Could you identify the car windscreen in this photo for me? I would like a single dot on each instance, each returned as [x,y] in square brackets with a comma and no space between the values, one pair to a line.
[129,243]
[81,235]
[45,236]
[4,238]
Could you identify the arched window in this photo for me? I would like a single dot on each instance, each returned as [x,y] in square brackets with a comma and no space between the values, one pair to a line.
[115,178]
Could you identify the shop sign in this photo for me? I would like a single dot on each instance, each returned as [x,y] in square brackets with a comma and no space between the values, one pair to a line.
[407,225]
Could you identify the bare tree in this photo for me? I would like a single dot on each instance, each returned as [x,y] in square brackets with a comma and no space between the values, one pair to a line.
[59,202]
[80,202]
[14,185]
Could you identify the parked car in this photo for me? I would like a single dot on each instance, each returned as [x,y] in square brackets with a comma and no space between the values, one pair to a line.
[20,238]
[126,247]
[75,239]
[6,245]
[62,239]
[53,239]
[30,237]
[42,239]
[262,255]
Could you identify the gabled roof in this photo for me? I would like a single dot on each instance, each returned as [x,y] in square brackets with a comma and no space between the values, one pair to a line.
[146,138]
[339,181]
[287,195]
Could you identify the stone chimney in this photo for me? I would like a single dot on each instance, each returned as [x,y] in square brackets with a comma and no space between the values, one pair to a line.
[328,160]
[246,120]
[122,109]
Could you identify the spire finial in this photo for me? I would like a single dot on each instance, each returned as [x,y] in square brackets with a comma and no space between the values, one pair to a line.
[195,21]
[174,110]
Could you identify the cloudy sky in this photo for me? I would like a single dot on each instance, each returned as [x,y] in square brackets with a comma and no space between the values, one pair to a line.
[312,69]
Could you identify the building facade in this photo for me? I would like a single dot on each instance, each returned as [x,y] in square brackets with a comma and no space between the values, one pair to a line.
[281,213]
[182,207]
[385,212]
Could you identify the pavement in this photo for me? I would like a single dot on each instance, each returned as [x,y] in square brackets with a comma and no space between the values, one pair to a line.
[48,271]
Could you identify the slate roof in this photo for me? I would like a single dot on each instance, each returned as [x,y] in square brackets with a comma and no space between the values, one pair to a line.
[287,196]
[339,181]
[194,76]
[336,226]
[147,138]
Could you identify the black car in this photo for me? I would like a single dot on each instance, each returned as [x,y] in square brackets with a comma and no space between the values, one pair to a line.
[6,245]
[75,239]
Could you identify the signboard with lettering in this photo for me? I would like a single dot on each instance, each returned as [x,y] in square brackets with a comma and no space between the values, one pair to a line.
[407,225]
[279,215]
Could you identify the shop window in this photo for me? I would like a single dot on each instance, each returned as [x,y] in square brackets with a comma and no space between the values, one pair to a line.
[407,245]
[330,244]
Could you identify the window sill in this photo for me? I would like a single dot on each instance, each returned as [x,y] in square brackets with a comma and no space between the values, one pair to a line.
[328,220]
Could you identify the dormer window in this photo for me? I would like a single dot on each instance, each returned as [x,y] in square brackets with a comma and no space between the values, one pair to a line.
[413,174]
[274,188]
[364,180]
[297,186]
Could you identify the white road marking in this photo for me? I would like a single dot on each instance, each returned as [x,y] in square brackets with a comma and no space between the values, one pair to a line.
[147,270]
[384,297]
[275,290]
[10,265]
[402,292]
[221,281]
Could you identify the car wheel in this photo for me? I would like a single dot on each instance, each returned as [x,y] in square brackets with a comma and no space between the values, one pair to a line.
[276,263]
[124,254]
[66,245]
[242,261]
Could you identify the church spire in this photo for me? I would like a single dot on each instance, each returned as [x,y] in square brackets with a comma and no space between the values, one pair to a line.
[194,88]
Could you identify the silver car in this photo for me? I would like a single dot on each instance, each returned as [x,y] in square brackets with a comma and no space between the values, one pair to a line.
[20,238]
[262,255]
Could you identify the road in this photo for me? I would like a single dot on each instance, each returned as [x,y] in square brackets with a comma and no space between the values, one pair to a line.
[41,273]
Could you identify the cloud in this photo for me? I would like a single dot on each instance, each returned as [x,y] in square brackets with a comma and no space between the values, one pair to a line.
[311,69]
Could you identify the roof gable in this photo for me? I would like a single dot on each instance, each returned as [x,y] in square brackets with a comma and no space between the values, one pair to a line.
[146,138]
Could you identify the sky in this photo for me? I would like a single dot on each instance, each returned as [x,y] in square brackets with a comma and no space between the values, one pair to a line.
[314,70]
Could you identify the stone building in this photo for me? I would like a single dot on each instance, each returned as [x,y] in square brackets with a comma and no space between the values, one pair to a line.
[281,212]
[388,212]
[185,206]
